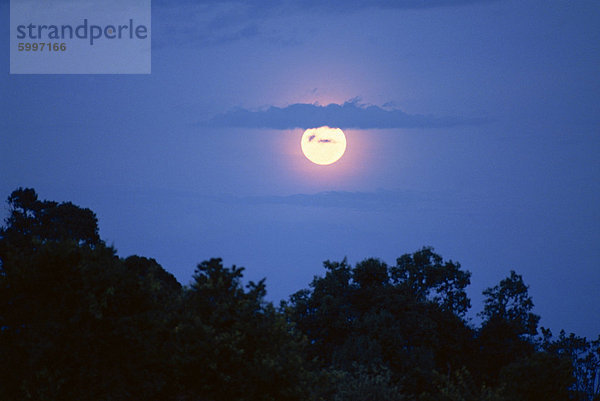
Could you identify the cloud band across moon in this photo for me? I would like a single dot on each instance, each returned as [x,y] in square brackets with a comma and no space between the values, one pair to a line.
[350,114]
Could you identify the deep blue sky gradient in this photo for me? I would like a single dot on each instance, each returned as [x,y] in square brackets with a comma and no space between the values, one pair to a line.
[476,130]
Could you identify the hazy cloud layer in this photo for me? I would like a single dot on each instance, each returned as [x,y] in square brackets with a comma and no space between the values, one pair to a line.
[351,114]
[377,200]
[380,200]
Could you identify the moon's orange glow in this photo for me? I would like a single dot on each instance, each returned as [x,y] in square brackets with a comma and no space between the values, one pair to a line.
[323,145]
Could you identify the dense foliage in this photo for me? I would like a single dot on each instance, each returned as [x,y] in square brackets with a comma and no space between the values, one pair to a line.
[78,322]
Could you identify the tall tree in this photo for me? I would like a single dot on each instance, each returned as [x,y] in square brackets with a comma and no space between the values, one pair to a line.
[510,302]
[583,357]
[235,345]
[508,351]
[404,320]
[427,277]
[34,220]
[77,322]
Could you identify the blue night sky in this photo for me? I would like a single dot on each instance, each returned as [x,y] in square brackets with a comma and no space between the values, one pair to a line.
[472,127]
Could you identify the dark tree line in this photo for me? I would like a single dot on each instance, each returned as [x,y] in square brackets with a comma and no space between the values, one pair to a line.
[78,322]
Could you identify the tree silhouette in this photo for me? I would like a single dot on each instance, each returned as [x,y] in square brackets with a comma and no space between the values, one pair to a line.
[374,317]
[79,322]
[44,221]
[233,344]
[76,322]
[510,302]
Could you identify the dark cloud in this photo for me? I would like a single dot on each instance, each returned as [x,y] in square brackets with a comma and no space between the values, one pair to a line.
[352,5]
[350,114]
[214,22]
[337,5]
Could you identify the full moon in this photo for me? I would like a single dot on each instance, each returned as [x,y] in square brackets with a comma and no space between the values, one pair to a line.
[323,145]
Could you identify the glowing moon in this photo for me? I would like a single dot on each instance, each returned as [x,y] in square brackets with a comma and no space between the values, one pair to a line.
[323,145]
